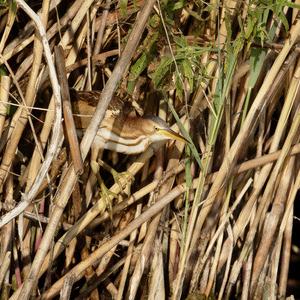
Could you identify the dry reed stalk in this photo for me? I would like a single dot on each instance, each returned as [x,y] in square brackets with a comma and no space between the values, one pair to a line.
[100,32]
[5,266]
[103,279]
[4,96]
[286,253]
[22,113]
[232,7]
[30,97]
[89,273]
[273,217]
[285,226]
[10,21]
[65,292]
[6,239]
[228,265]
[6,242]
[260,179]
[174,248]
[272,148]
[13,45]
[51,32]
[44,135]
[224,235]
[67,110]
[105,261]
[143,260]
[128,261]
[96,255]
[157,281]
[69,179]
[267,195]
[86,220]
[8,156]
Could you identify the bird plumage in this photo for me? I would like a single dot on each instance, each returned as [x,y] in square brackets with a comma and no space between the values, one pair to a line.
[120,130]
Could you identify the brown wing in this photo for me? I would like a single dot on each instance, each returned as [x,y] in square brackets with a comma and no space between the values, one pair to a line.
[91,98]
[85,102]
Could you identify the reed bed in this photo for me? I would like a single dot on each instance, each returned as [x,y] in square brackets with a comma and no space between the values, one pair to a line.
[209,219]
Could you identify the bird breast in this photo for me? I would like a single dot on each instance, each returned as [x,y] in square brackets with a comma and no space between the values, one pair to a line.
[106,139]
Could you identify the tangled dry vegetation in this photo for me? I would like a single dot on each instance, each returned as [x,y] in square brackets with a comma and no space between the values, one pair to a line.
[209,219]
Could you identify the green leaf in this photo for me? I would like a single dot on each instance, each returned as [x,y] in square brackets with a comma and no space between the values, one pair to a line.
[284,20]
[178,5]
[123,7]
[185,134]
[180,41]
[154,21]
[161,71]
[135,71]
[179,87]
[138,67]
[257,58]
[249,28]
[3,71]
[188,73]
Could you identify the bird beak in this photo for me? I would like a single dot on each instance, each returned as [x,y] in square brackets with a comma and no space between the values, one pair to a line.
[169,133]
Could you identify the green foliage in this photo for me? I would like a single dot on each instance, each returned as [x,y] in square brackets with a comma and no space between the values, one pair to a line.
[179,4]
[8,5]
[146,57]
[3,71]
[257,58]
[11,4]
[136,69]
[255,28]
[123,7]
[170,8]
[226,72]
[161,71]
[187,58]
[186,135]
[182,66]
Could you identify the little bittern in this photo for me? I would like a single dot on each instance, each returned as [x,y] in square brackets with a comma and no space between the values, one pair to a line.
[120,131]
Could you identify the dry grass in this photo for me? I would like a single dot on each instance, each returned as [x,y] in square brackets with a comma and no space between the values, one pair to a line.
[210,219]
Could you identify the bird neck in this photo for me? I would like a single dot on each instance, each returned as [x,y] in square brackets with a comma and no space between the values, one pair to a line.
[127,127]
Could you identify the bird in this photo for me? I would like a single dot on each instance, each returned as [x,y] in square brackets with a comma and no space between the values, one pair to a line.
[121,130]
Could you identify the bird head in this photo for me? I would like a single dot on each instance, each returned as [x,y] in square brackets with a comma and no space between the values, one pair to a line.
[158,130]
